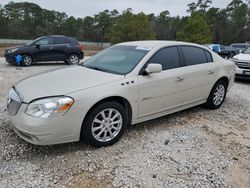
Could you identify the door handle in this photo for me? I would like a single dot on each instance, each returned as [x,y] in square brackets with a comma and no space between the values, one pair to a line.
[210,72]
[179,79]
[51,48]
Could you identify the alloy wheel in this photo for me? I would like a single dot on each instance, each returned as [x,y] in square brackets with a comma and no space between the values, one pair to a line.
[106,125]
[74,59]
[219,94]
[27,60]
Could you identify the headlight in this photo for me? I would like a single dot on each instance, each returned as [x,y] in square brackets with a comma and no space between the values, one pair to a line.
[235,59]
[12,50]
[45,108]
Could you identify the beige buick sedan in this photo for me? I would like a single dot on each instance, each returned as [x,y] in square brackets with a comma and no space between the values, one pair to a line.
[123,85]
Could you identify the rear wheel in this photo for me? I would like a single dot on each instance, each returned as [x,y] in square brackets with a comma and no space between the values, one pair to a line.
[73,59]
[217,95]
[105,124]
[27,60]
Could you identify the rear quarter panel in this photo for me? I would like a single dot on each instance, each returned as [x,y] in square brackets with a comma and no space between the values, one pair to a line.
[226,68]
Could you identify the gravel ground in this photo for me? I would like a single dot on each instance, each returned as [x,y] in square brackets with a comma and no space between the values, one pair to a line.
[193,148]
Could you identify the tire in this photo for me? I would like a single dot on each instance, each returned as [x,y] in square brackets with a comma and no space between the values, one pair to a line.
[231,55]
[73,59]
[99,131]
[217,95]
[27,60]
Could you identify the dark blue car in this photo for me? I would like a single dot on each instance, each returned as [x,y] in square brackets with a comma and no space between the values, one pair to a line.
[47,48]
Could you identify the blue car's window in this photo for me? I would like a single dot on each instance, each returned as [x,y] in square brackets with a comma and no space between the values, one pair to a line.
[117,59]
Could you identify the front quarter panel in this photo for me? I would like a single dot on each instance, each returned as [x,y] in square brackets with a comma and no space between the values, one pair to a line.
[86,99]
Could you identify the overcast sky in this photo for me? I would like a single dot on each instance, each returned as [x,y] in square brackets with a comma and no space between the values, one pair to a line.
[82,8]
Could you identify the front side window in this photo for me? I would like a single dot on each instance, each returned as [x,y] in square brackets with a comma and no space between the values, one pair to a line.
[117,59]
[44,41]
[167,57]
[194,55]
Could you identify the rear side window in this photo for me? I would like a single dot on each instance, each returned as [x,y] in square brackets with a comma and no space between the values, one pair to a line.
[194,55]
[59,40]
[73,42]
[209,56]
[167,57]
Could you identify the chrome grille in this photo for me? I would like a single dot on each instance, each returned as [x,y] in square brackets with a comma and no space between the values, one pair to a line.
[243,65]
[13,103]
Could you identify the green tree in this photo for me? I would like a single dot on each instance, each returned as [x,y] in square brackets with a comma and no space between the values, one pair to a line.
[196,30]
[129,27]
[237,12]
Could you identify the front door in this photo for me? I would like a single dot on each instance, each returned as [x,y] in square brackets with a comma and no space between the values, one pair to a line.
[164,91]
[44,49]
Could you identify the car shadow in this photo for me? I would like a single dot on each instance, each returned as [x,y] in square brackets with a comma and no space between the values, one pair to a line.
[242,80]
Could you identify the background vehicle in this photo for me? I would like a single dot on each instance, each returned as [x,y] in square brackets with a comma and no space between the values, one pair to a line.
[240,46]
[47,48]
[224,51]
[125,84]
[242,62]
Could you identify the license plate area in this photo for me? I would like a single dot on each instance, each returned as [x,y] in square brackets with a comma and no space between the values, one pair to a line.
[246,73]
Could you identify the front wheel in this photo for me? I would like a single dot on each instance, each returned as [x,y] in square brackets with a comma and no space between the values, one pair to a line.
[217,95]
[105,124]
[27,60]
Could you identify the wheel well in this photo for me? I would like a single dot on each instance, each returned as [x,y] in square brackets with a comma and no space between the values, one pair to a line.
[225,79]
[74,53]
[29,55]
[124,102]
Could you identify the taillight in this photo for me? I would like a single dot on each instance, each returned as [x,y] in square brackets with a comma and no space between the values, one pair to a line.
[81,47]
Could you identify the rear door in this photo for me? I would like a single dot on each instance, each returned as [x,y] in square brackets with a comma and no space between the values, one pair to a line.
[60,45]
[164,91]
[199,72]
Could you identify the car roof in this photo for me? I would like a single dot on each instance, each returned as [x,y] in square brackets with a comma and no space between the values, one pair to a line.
[156,43]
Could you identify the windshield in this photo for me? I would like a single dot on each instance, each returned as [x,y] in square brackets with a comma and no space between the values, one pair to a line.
[247,51]
[117,59]
[33,42]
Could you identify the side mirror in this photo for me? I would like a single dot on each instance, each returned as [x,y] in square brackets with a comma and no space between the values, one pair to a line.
[241,51]
[153,68]
[38,46]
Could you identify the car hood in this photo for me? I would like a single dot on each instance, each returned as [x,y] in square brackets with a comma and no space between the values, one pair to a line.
[243,57]
[13,47]
[62,82]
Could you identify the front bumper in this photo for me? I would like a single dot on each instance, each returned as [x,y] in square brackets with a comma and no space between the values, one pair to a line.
[242,73]
[41,131]
[10,58]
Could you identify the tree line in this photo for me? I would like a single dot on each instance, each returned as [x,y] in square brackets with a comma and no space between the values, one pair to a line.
[203,24]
